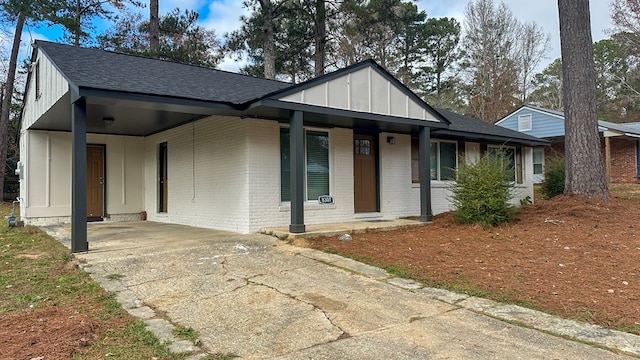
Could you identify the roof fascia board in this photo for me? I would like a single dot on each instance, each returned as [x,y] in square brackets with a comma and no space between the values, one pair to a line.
[348,113]
[496,138]
[111,94]
[531,109]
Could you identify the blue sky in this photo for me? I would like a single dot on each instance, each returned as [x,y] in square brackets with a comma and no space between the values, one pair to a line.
[223,16]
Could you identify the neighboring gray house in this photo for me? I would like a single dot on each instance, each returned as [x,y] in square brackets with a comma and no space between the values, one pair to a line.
[620,142]
[108,136]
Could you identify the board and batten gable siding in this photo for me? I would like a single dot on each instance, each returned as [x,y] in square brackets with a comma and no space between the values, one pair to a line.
[47,175]
[364,90]
[543,124]
[207,174]
[53,86]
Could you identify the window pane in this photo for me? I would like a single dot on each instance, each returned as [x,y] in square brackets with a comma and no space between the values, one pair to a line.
[537,169]
[538,155]
[285,163]
[447,161]
[317,164]
[415,170]
[434,161]
[510,154]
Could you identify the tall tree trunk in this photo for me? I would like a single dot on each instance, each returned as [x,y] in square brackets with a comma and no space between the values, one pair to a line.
[320,37]
[78,30]
[7,96]
[154,27]
[268,41]
[584,174]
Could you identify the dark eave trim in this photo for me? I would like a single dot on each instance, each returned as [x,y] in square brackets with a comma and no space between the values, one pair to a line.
[347,113]
[470,136]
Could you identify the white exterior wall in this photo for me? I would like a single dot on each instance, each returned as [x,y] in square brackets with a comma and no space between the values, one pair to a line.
[53,86]
[213,149]
[46,183]
[264,178]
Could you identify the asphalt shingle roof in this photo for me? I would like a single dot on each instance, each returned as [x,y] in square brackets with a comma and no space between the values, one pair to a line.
[467,124]
[629,128]
[106,70]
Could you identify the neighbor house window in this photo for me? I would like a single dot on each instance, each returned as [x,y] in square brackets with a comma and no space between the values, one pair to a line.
[444,160]
[510,156]
[538,161]
[316,144]
[524,122]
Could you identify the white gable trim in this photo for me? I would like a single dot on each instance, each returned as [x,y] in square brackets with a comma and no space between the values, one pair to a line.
[364,90]
[525,107]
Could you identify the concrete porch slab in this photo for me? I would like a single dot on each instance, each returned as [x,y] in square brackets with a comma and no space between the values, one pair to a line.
[332,229]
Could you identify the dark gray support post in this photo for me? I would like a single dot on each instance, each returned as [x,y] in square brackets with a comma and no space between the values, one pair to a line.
[79,241]
[424,139]
[296,149]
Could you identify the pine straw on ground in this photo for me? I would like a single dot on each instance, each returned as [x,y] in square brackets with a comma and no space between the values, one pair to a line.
[567,256]
[50,333]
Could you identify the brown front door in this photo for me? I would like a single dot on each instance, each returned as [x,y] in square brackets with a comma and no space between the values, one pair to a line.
[95,181]
[364,173]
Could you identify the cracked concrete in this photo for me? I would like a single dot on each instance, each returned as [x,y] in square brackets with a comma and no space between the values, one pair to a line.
[259,298]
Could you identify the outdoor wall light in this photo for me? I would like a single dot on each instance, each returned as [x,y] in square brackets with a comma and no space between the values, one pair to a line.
[391,139]
[108,120]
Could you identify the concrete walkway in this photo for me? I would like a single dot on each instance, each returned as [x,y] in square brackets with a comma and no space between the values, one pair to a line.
[257,297]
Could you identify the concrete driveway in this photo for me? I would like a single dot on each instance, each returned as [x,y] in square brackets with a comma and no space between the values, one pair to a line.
[257,297]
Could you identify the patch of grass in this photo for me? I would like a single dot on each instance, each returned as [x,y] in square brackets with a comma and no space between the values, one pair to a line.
[114,276]
[400,271]
[36,271]
[627,192]
[187,333]
[220,356]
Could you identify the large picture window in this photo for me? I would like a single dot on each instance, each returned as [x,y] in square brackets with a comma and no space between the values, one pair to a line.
[444,160]
[316,145]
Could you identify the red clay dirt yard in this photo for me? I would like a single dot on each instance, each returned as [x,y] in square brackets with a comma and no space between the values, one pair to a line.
[563,256]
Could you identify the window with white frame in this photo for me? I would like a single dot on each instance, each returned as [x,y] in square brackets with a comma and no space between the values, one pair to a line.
[444,160]
[538,161]
[316,145]
[524,122]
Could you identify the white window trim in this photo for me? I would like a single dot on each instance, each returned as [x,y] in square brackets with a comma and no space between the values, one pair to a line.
[534,162]
[284,204]
[525,119]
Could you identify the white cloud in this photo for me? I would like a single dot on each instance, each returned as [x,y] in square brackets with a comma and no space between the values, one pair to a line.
[224,16]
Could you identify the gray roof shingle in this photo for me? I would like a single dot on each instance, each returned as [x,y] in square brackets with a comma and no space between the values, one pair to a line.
[106,70]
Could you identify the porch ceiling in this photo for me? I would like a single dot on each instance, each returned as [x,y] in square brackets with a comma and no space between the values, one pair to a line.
[133,115]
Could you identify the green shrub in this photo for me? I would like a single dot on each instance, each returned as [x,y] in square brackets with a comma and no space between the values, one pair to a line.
[483,190]
[553,184]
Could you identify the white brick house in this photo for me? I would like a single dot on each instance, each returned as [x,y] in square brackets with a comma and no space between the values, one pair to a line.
[108,136]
